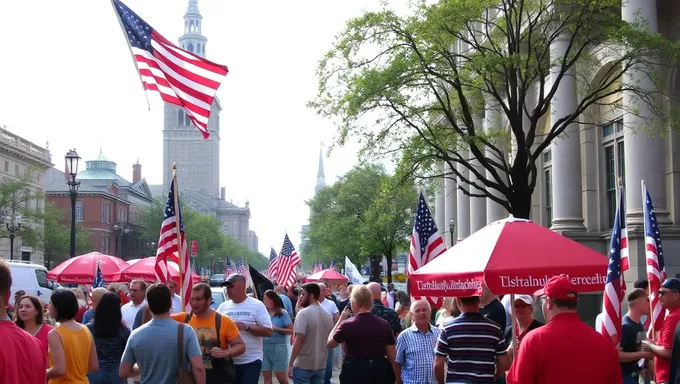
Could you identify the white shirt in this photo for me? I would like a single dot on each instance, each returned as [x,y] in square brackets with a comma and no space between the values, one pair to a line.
[177,305]
[390,299]
[250,312]
[329,306]
[129,312]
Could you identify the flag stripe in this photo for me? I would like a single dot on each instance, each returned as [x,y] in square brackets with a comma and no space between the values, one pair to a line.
[656,269]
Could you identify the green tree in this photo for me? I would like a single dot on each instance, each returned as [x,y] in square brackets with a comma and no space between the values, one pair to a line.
[18,198]
[417,86]
[55,239]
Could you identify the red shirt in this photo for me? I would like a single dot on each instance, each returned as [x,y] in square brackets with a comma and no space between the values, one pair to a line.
[662,366]
[42,336]
[22,358]
[564,350]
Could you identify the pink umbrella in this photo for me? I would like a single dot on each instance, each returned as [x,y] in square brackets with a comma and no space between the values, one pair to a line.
[330,275]
[81,269]
[143,269]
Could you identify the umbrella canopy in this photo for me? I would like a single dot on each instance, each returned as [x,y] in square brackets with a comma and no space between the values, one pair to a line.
[130,262]
[81,269]
[327,274]
[144,270]
[511,256]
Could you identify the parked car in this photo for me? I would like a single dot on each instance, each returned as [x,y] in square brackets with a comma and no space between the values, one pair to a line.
[218,297]
[216,280]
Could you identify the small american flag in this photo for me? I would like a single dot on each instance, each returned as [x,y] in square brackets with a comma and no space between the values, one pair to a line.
[656,268]
[426,242]
[318,267]
[288,261]
[227,267]
[240,267]
[170,248]
[333,267]
[273,268]
[180,77]
[615,288]
[98,278]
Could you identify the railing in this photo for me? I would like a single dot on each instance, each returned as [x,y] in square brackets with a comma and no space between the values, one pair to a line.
[24,145]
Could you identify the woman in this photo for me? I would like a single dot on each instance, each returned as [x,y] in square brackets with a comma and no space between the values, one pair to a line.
[110,337]
[30,319]
[72,353]
[275,350]
[368,339]
[448,311]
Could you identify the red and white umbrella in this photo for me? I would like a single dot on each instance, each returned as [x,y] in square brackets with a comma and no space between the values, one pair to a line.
[81,269]
[143,269]
[330,275]
[511,256]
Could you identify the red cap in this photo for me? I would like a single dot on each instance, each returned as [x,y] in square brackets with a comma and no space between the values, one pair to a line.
[558,287]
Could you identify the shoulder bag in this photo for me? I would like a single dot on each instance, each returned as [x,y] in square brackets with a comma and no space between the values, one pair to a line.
[185,377]
[228,373]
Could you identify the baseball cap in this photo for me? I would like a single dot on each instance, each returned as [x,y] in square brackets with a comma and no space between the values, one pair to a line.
[528,300]
[559,287]
[673,284]
[231,279]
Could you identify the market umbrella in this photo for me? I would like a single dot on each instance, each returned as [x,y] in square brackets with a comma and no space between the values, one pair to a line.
[330,275]
[130,262]
[144,270]
[81,269]
[513,256]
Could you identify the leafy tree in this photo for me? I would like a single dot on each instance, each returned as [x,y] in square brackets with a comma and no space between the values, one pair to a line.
[417,86]
[18,198]
[55,240]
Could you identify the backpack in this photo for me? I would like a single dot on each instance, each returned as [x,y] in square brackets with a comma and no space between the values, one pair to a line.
[227,374]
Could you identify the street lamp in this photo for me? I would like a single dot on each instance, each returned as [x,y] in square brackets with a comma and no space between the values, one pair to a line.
[452,227]
[72,159]
[121,232]
[13,226]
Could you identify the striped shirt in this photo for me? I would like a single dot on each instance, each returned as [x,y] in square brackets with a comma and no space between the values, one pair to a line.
[414,354]
[471,343]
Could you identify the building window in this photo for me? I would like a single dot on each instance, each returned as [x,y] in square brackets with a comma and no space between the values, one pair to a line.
[180,118]
[547,186]
[6,166]
[614,165]
[106,243]
[106,213]
[79,211]
[16,169]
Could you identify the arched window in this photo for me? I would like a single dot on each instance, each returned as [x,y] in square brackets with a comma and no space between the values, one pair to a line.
[191,26]
[190,48]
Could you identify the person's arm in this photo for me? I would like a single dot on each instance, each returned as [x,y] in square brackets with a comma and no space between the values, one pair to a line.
[93,363]
[127,368]
[399,358]
[336,337]
[194,355]
[440,369]
[300,328]
[58,368]
[264,324]
[288,325]
[230,336]
[666,334]
[502,358]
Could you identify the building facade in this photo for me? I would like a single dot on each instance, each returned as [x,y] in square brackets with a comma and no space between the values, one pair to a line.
[18,156]
[578,175]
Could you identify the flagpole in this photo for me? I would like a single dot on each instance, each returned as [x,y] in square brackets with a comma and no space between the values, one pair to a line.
[178,230]
[120,22]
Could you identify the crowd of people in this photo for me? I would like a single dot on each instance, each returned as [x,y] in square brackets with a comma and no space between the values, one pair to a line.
[309,332]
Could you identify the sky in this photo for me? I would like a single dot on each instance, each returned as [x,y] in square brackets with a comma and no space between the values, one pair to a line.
[69,80]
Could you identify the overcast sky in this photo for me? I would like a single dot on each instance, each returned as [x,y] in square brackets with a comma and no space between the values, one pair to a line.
[67,77]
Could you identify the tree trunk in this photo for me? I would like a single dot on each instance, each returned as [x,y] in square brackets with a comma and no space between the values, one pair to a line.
[388,273]
[521,206]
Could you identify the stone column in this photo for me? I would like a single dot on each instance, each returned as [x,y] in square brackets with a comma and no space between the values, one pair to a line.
[439,213]
[644,154]
[566,151]
[493,125]
[463,202]
[450,187]
[477,204]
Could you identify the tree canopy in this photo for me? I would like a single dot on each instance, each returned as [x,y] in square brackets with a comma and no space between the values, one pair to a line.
[366,214]
[55,239]
[416,87]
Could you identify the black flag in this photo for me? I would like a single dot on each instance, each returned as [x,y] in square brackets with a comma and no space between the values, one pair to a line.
[261,283]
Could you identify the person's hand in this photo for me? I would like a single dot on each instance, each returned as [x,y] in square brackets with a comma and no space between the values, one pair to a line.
[219,353]
[647,345]
[648,355]
[345,314]
[290,372]
[240,325]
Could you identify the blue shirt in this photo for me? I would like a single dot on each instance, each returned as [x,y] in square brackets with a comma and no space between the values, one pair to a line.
[414,354]
[281,321]
[287,305]
[153,346]
[88,316]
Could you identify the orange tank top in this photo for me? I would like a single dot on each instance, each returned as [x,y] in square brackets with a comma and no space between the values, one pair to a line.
[77,346]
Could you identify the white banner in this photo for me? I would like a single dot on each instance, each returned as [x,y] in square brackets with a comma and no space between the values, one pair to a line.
[352,272]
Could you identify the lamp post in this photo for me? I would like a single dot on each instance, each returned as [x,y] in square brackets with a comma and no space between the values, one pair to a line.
[13,226]
[72,159]
[121,231]
[452,227]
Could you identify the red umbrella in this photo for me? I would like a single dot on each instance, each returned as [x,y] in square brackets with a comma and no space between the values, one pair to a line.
[327,274]
[511,256]
[143,269]
[81,269]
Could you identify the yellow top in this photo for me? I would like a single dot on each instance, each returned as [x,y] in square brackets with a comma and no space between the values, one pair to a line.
[76,353]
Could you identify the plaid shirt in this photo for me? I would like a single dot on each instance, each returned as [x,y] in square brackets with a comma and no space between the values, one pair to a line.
[415,353]
[387,314]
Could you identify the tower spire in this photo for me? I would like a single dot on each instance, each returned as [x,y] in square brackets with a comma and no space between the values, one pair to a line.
[320,175]
[192,40]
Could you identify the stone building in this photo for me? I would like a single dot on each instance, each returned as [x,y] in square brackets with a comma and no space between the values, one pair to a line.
[198,159]
[577,179]
[320,184]
[17,156]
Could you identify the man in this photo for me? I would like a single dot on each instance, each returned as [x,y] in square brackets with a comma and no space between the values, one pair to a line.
[565,349]
[669,296]
[332,309]
[218,336]
[379,309]
[137,301]
[632,334]
[524,313]
[176,299]
[12,310]
[154,345]
[492,308]
[22,358]
[390,295]
[287,304]
[95,296]
[470,348]
[253,321]
[312,327]
[413,364]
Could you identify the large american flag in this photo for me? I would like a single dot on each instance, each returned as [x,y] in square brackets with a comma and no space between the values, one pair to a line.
[656,269]
[615,288]
[170,248]
[426,242]
[180,77]
[288,261]
[273,265]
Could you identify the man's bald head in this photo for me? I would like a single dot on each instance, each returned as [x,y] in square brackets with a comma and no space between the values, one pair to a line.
[97,294]
[375,290]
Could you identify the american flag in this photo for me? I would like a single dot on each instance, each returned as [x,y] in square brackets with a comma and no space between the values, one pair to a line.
[273,265]
[169,247]
[240,267]
[98,278]
[180,77]
[426,242]
[656,269]
[333,267]
[227,267]
[615,288]
[318,267]
[288,260]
